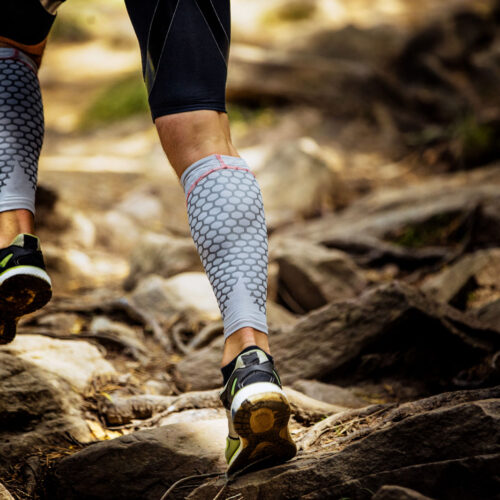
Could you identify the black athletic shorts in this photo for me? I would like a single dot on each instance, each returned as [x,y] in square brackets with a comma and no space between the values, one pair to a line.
[184,47]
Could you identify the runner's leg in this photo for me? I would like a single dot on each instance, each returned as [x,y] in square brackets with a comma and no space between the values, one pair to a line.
[24,283]
[184,46]
[24,27]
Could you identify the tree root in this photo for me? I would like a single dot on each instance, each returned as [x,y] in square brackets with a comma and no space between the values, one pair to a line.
[334,421]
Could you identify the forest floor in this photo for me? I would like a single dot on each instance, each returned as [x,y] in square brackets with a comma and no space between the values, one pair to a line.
[384,291]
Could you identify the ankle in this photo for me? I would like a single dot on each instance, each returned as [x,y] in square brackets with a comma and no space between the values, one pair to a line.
[241,339]
[14,222]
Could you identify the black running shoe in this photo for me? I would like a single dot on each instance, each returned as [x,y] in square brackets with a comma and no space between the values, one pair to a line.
[24,283]
[258,414]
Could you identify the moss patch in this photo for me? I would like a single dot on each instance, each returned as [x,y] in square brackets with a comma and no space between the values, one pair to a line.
[120,100]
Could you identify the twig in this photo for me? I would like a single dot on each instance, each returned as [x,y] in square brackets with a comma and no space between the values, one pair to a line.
[335,420]
[186,479]
[205,335]
[148,321]
[175,332]
[189,400]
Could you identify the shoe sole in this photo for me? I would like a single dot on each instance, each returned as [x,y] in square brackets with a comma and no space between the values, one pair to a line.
[261,421]
[23,289]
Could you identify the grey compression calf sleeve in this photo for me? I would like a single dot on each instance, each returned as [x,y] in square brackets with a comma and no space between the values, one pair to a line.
[226,216]
[21,130]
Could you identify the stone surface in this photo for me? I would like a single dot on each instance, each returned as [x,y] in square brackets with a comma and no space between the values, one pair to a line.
[328,393]
[278,316]
[189,294]
[38,410]
[4,493]
[429,214]
[311,276]
[143,464]
[476,273]
[490,314]
[163,255]
[440,447]
[392,334]
[311,186]
[390,492]
[75,361]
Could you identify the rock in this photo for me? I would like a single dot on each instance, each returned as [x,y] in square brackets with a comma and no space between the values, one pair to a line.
[391,492]
[490,314]
[199,370]
[279,76]
[163,255]
[392,334]
[435,213]
[75,361]
[475,274]
[124,334]
[198,415]
[144,206]
[118,231]
[38,410]
[305,408]
[328,393]
[4,493]
[72,268]
[62,321]
[373,252]
[311,276]
[188,294]
[278,316]
[312,187]
[440,447]
[143,464]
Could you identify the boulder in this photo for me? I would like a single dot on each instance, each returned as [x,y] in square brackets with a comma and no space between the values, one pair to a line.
[144,206]
[188,294]
[490,314]
[435,213]
[38,411]
[311,186]
[163,255]
[75,361]
[392,334]
[278,316]
[445,447]
[476,274]
[311,276]
[391,492]
[142,464]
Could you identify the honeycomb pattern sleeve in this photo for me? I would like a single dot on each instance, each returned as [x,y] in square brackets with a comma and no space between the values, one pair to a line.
[226,217]
[21,130]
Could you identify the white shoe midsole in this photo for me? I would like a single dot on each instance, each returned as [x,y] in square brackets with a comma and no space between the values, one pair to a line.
[26,271]
[253,390]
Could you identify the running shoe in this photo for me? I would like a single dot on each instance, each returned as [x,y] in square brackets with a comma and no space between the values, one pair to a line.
[24,283]
[258,414]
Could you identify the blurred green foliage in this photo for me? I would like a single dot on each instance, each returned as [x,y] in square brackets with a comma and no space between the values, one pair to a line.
[478,141]
[437,231]
[70,28]
[122,99]
[85,20]
[298,10]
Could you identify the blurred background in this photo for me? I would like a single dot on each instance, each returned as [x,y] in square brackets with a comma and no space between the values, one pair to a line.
[340,97]
[373,129]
